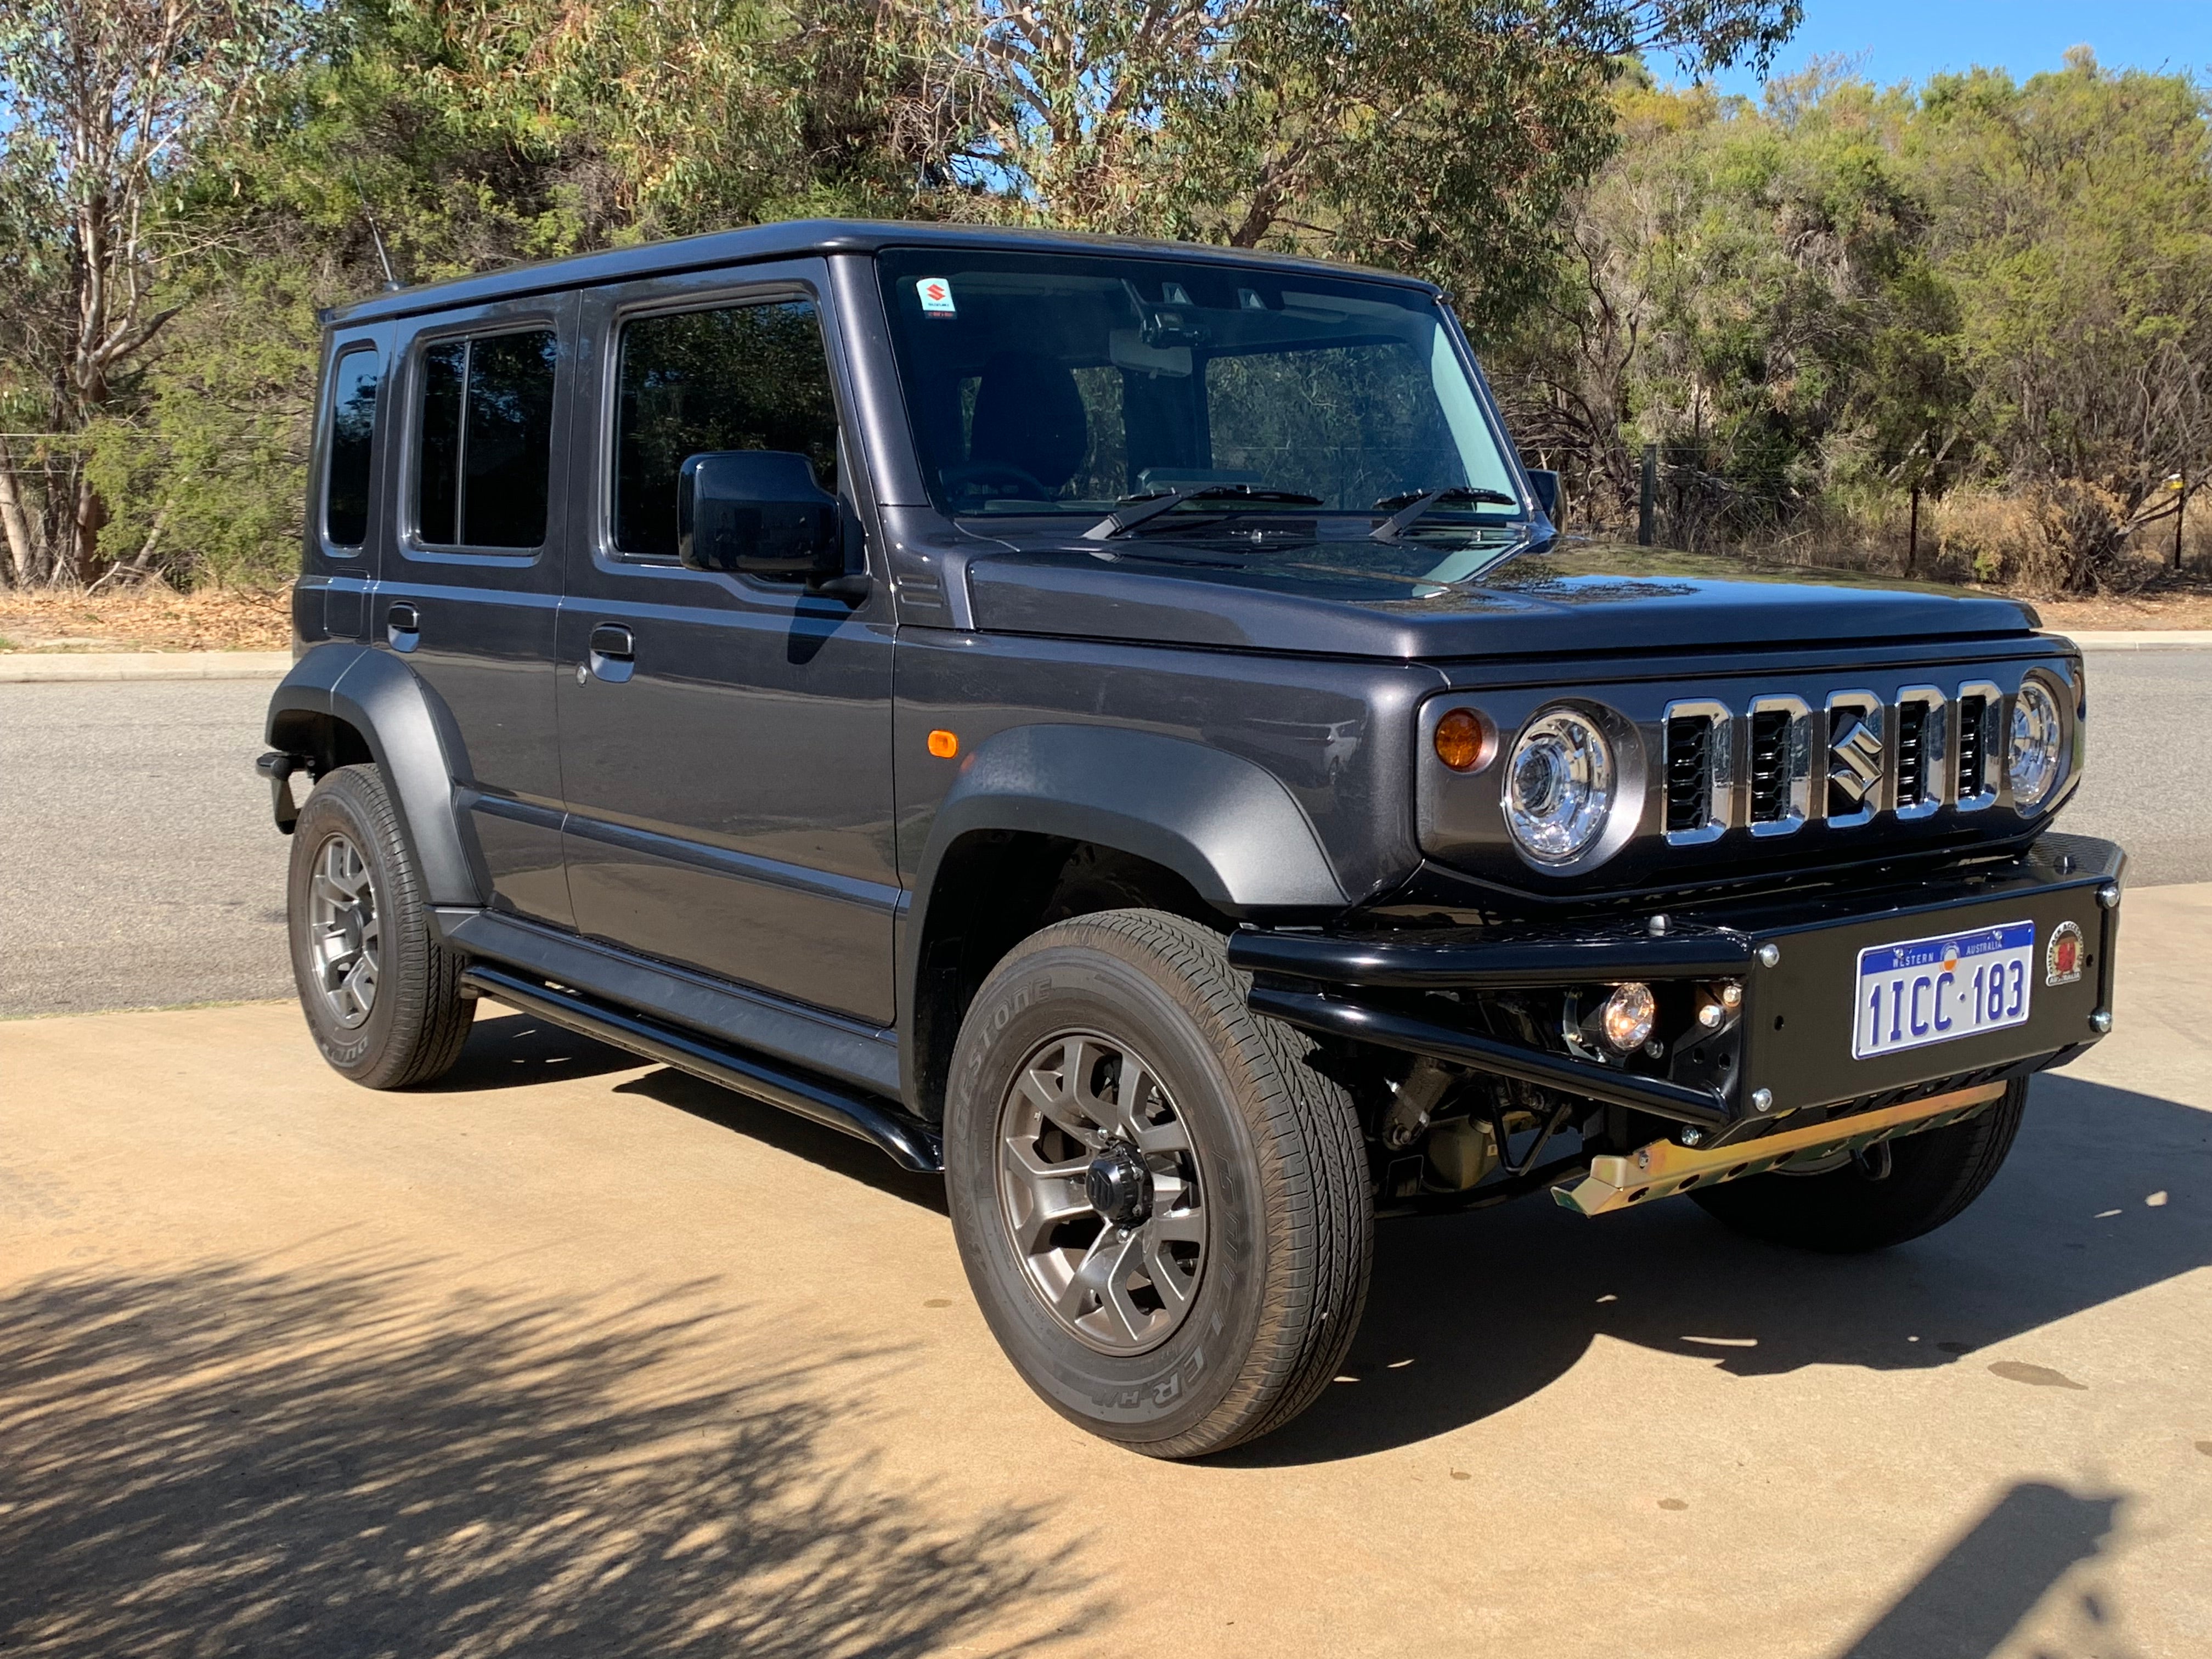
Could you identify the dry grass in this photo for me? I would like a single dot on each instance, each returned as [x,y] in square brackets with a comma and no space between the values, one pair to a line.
[2184,602]
[155,618]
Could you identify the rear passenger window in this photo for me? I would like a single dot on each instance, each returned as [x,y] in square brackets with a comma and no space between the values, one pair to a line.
[482,468]
[742,377]
[353,424]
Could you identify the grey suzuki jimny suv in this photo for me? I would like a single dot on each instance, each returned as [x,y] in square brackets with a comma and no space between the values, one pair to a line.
[1116,723]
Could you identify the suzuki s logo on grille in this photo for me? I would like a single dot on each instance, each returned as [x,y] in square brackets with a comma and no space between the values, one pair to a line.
[1854,756]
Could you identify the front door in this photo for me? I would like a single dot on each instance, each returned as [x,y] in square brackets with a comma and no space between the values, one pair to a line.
[725,742]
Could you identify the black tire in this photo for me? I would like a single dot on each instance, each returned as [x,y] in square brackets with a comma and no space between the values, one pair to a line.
[1278,1161]
[416,1019]
[1933,1175]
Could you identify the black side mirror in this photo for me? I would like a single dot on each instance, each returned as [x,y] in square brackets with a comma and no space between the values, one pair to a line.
[758,512]
[1544,485]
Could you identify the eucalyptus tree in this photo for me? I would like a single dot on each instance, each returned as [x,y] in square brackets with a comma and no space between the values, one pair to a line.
[100,100]
[1423,135]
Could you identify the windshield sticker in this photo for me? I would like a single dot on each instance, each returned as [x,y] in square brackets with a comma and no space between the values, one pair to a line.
[935,297]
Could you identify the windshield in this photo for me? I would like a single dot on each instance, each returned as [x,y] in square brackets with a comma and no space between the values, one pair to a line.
[1066,384]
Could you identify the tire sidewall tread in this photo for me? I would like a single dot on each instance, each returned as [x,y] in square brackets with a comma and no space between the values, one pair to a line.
[1282,1287]
[417,1027]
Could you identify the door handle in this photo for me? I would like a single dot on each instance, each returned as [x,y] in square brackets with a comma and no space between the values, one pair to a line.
[614,655]
[402,626]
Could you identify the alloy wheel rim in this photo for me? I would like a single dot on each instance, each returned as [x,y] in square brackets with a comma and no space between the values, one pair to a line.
[1099,1192]
[344,934]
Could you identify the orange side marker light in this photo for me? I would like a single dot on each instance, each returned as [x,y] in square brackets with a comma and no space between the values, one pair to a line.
[943,744]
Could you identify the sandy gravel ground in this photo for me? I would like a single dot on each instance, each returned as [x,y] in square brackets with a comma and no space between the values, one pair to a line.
[571,1356]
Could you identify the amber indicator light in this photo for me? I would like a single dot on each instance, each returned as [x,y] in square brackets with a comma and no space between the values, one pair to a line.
[943,744]
[1464,740]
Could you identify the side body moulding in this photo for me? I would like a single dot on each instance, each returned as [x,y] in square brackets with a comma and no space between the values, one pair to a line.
[409,736]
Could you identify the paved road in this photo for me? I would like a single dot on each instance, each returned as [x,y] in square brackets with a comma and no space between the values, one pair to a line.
[2149,781]
[138,867]
[141,870]
[573,1356]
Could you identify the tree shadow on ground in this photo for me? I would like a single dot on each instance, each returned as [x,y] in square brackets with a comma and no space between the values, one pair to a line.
[1471,1314]
[238,1458]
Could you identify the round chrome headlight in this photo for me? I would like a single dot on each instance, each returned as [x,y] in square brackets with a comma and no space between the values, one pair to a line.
[1559,785]
[2032,762]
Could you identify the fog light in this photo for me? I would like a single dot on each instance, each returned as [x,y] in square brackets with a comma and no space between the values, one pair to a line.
[1628,1015]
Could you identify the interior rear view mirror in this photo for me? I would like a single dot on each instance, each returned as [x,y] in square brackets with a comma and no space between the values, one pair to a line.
[758,512]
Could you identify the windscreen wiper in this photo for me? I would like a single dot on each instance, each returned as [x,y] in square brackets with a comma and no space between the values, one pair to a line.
[1137,509]
[1413,505]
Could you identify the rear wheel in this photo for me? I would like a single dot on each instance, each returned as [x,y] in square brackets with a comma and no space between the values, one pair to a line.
[1868,1203]
[380,991]
[1163,1210]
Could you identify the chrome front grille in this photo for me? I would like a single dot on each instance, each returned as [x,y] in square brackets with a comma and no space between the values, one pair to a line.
[1700,779]
[1844,764]
[1689,771]
[1912,754]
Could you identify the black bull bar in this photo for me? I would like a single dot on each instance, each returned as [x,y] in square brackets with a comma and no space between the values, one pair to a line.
[1786,1045]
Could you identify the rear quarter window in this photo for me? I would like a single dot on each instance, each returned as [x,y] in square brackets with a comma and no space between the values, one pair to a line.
[347,480]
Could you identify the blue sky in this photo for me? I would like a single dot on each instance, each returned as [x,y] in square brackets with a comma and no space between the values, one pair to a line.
[1911,40]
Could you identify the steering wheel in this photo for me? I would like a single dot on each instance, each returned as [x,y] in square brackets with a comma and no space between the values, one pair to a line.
[961,479]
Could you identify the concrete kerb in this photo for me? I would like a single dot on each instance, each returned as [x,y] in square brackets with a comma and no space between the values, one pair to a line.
[29,667]
[2148,639]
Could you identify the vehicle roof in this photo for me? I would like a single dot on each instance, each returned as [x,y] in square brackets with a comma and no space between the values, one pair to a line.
[793,238]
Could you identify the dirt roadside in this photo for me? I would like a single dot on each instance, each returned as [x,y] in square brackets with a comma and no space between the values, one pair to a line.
[153,619]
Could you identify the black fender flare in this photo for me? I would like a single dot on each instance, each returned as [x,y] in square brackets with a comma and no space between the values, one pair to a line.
[411,736]
[1225,824]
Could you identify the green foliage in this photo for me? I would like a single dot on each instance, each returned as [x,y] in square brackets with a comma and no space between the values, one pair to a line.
[1996,292]
[1819,303]
[214,453]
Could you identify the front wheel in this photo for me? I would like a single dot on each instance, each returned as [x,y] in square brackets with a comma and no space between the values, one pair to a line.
[1863,1204]
[1162,1208]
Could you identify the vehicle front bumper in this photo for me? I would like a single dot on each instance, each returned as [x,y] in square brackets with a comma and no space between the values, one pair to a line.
[1783,1054]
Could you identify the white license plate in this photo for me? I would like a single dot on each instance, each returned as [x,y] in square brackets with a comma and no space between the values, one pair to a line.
[1948,986]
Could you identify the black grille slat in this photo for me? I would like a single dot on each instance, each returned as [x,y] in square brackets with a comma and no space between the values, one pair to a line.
[1770,766]
[1911,753]
[1689,772]
[1971,712]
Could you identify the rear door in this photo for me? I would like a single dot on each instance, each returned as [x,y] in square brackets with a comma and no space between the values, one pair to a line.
[470,586]
[726,741]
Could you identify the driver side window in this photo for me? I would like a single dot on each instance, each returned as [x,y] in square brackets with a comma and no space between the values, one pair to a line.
[737,377]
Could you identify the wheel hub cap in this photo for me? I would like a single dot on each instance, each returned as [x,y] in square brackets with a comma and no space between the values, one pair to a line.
[344,941]
[1119,1186]
[1100,1194]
